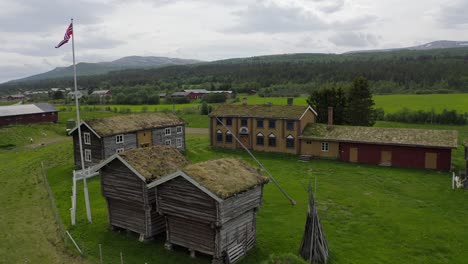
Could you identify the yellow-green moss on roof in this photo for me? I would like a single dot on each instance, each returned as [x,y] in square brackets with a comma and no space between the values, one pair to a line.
[225,177]
[260,111]
[155,162]
[134,122]
[380,135]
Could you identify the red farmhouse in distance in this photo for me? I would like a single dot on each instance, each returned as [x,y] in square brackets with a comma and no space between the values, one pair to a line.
[27,114]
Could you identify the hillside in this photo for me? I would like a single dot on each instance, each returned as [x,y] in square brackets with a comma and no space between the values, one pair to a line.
[400,71]
[131,62]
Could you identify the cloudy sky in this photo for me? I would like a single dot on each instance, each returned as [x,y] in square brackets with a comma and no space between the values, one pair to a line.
[214,29]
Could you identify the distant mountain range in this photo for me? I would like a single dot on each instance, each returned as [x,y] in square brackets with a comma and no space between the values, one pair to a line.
[148,62]
[131,62]
[440,44]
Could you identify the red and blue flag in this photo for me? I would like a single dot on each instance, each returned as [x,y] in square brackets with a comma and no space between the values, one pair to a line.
[67,36]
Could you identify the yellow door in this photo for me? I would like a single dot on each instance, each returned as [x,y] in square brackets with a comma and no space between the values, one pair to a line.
[353,154]
[386,157]
[145,138]
[431,161]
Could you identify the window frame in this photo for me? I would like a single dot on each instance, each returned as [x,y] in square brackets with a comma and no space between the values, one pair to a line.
[270,122]
[119,150]
[228,121]
[179,143]
[325,147]
[288,127]
[219,136]
[272,138]
[228,137]
[88,155]
[166,130]
[87,138]
[260,121]
[179,128]
[246,122]
[121,136]
[262,137]
[290,142]
[167,140]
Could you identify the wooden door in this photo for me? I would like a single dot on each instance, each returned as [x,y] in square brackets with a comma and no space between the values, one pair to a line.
[245,140]
[431,160]
[386,157]
[145,138]
[353,154]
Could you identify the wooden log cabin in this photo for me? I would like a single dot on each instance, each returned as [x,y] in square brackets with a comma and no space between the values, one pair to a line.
[210,207]
[131,203]
[106,136]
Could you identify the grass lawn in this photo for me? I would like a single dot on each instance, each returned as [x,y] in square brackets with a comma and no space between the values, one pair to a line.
[370,214]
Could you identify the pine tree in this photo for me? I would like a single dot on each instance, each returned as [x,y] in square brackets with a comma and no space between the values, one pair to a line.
[360,105]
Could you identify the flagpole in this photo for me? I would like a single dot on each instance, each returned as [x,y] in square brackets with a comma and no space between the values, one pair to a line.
[88,209]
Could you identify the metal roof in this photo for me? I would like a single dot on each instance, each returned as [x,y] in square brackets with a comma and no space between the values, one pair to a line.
[13,110]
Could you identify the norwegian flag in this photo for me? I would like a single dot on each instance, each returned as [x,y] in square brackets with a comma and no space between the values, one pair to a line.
[67,36]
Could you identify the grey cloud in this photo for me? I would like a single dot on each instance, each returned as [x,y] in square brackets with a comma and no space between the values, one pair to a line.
[453,15]
[40,15]
[354,39]
[331,6]
[272,18]
[12,72]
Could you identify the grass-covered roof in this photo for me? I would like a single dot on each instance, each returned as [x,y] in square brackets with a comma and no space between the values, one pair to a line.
[155,162]
[260,111]
[380,135]
[134,122]
[225,177]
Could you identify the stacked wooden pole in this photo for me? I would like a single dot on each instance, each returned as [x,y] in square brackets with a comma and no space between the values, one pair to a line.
[314,247]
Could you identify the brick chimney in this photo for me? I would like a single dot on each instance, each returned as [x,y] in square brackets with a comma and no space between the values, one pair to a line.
[330,118]
[244,101]
[290,101]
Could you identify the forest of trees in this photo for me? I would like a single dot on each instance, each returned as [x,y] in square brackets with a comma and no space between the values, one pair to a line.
[287,75]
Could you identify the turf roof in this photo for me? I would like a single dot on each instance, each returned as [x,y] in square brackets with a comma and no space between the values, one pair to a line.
[260,111]
[128,123]
[154,162]
[380,135]
[225,177]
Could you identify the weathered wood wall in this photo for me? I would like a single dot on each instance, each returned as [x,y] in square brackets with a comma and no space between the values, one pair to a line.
[131,205]
[159,136]
[241,231]
[110,145]
[95,147]
[239,204]
[194,235]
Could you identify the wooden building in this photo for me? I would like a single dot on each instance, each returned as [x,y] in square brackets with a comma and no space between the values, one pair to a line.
[27,114]
[272,128]
[104,137]
[125,179]
[399,147]
[292,129]
[465,145]
[210,207]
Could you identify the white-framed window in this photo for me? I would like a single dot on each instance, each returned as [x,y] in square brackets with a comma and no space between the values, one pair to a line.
[179,129]
[178,142]
[119,150]
[87,138]
[325,146]
[167,142]
[167,131]
[87,155]
[119,139]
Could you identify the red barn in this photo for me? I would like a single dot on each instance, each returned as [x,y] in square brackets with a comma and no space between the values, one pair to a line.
[399,147]
[27,114]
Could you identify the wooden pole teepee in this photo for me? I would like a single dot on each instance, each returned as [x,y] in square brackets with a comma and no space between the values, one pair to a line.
[314,247]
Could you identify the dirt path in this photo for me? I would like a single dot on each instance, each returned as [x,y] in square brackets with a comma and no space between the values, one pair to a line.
[194,130]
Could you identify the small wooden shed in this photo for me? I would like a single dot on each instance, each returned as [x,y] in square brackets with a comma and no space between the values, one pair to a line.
[210,207]
[125,177]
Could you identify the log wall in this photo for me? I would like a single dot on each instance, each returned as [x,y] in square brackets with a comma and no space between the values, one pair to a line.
[110,145]
[95,147]
[239,204]
[239,232]
[191,234]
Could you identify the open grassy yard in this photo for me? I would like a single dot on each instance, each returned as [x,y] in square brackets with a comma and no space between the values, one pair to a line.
[370,214]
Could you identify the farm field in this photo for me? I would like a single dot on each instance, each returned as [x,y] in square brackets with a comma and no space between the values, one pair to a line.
[370,214]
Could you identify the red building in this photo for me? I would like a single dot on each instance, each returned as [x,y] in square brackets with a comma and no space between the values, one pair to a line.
[27,114]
